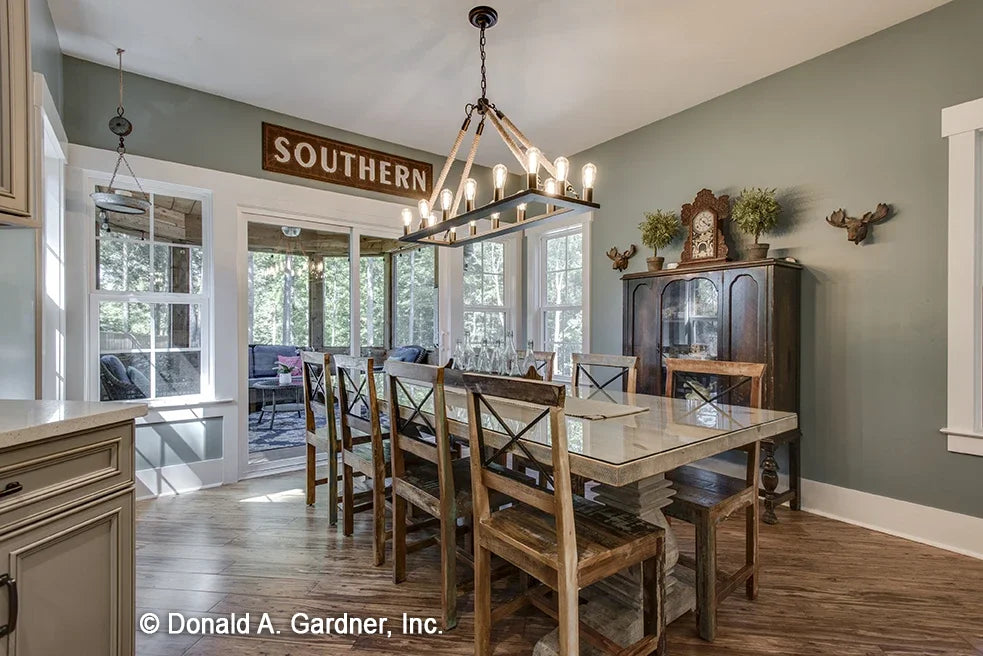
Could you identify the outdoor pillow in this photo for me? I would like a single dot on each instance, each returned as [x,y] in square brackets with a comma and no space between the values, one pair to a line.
[138,379]
[409,354]
[292,361]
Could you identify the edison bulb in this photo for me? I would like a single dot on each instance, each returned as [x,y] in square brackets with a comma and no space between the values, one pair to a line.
[562,165]
[500,173]
[589,173]
[470,189]
[550,186]
[533,157]
[446,199]
[424,207]
[407,216]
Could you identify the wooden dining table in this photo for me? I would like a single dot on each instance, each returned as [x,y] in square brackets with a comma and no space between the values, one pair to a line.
[626,443]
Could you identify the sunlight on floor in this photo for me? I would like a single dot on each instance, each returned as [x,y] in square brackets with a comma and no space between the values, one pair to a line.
[275,497]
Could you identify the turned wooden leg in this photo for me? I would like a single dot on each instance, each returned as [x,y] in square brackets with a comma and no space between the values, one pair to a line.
[448,571]
[769,481]
[795,471]
[311,473]
[706,579]
[482,601]
[399,538]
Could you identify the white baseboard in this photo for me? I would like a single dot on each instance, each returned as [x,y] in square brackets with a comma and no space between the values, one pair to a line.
[178,479]
[962,534]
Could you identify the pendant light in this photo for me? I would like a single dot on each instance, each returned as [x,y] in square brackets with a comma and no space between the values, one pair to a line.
[121,201]
[505,213]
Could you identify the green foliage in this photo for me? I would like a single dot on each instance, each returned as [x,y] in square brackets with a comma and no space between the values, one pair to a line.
[659,229]
[756,211]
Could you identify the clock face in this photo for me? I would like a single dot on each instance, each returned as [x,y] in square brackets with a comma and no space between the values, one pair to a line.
[704,235]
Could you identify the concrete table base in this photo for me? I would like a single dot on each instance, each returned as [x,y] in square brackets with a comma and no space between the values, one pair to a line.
[614,605]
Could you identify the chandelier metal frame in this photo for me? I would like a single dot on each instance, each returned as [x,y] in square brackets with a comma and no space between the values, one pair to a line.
[557,194]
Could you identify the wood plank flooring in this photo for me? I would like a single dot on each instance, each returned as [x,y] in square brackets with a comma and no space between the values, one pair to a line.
[826,587]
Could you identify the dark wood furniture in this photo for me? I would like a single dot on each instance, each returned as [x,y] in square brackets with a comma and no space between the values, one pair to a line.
[705,498]
[425,473]
[565,542]
[738,311]
[365,454]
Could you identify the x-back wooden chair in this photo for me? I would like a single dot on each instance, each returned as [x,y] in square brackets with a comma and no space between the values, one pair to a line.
[424,472]
[545,362]
[705,499]
[586,363]
[365,454]
[319,404]
[565,542]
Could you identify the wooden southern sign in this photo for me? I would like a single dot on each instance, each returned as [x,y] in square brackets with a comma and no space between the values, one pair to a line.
[310,156]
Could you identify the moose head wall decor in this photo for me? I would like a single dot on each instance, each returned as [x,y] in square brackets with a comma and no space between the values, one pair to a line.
[620,260]
[858,229]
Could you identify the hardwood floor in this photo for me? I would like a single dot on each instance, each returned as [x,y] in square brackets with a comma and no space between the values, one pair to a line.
[826,587]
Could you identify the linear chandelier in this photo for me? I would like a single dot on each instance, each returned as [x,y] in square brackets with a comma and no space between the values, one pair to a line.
[505,213]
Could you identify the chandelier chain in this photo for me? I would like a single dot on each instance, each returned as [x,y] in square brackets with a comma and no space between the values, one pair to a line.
[484,72]
[119,107]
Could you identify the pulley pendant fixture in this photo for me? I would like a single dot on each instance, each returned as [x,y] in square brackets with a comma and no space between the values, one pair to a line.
[119,200]
[504,213]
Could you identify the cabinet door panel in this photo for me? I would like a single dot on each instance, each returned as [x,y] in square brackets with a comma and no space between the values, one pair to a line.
[746,332]
[641,332]
[15,109]
[74,575]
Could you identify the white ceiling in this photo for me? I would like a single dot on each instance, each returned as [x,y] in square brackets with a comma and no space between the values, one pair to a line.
[570,73]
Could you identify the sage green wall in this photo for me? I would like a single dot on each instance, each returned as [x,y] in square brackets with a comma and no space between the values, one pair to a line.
[178,124]
[852,128]
[45,49]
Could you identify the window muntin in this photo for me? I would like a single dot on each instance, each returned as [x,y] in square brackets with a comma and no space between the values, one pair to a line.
[415,301]
[484,292]
[150,300]
[562,293]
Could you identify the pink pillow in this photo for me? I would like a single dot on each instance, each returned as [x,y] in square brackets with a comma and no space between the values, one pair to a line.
[292,361]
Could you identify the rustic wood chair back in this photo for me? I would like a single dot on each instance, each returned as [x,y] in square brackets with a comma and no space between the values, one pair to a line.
[545,362]
[319,404]
[488,473]
[358,397]
[420,431]
[746,372]
[586,363]
[706,498]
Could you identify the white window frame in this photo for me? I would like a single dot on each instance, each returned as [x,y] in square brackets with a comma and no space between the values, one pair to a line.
[429,340]
[962,125]
[536,276]
[205,299]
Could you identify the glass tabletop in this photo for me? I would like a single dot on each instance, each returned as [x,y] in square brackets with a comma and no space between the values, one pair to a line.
[659,424]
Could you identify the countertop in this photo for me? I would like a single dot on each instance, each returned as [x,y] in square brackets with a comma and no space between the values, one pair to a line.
[23,422]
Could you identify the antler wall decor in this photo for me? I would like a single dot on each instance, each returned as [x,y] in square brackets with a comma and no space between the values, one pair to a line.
[858,229]
[620,260]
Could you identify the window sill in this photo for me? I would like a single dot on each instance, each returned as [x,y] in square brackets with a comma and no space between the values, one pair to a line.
[964,441]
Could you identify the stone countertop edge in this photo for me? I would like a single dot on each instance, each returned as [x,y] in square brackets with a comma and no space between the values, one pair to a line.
[24,422]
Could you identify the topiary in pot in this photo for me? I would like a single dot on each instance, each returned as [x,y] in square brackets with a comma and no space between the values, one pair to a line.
[755,212]
[659,229]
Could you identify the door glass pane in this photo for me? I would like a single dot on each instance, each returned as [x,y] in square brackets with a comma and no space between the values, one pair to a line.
[415,301]
[690,319]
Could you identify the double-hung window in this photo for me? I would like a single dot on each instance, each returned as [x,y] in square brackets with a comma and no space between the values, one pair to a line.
[561,288]
[149,304]
[485,293]
[415,300]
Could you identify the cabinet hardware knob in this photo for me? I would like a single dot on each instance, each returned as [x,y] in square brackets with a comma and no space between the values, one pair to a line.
[11,488]
[11,585]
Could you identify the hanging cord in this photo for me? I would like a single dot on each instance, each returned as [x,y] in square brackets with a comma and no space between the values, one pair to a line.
[121,149]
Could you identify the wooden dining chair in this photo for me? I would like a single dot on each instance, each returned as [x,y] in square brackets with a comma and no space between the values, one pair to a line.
[319,409]
[585,365]
[545,362]
[425,474]
[705,499]
[364,448]
[564,542]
